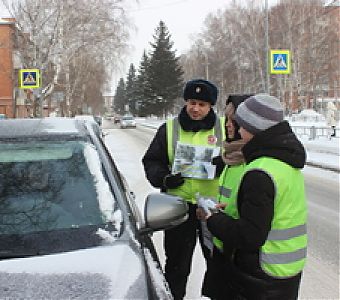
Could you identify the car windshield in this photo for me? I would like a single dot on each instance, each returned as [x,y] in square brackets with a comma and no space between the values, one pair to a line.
[52,187]
[128,118]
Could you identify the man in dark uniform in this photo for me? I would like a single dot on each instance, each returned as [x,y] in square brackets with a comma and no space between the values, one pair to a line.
[196,125]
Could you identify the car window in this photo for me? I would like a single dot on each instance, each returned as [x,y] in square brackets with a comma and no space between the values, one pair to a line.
[48,186]
[127,118]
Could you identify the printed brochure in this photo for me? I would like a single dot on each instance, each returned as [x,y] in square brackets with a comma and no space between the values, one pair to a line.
[195,161]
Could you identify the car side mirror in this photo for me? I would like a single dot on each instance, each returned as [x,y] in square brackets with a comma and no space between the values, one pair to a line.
[163,211]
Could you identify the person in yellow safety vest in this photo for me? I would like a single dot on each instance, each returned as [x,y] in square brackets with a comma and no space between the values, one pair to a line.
[265,240]
[197,125]
[229,180]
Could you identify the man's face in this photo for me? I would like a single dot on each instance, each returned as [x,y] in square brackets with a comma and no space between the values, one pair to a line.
[197,109]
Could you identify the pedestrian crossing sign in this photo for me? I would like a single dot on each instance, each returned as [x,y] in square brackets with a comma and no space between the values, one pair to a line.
[279,61]
[29,78]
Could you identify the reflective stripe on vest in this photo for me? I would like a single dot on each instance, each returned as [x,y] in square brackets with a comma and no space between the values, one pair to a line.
[284,258]
[225,192]
[285,234]
[284,253]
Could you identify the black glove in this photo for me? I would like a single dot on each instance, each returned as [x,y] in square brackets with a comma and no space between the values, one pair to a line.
[171,181]
[219,163]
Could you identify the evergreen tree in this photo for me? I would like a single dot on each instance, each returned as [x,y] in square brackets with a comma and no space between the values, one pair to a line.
[131,89]
[119,99]
[143,88]
[165,74]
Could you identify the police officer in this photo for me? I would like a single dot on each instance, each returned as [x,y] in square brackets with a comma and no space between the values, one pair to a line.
[197,125]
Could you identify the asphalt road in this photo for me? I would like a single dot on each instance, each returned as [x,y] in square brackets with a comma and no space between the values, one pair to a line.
[321,275]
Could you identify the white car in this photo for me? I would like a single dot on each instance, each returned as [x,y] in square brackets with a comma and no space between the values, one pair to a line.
[127,121]
[69,225]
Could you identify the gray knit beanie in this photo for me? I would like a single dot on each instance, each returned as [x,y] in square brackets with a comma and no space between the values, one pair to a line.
[259,112]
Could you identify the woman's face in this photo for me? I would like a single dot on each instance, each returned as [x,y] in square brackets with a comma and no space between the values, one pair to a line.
[230,127]
[245,135]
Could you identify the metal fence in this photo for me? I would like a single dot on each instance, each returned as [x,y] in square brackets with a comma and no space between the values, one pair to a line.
[314,132]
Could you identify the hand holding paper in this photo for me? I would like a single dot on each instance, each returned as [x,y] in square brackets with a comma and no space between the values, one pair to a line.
[208,205]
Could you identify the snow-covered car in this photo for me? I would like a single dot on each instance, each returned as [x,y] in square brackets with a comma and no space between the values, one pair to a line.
[127,121]
[69,225]
[89,118]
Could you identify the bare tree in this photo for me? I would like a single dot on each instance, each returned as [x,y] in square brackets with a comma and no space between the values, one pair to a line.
[303,28]
[233,44]
[56,35]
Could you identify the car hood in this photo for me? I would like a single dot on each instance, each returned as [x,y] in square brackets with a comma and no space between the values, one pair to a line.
[105,272]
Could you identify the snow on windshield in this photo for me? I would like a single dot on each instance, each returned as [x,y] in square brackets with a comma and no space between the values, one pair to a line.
[105,196]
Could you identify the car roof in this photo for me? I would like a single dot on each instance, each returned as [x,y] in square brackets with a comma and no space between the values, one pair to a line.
[85,117]
[14,128]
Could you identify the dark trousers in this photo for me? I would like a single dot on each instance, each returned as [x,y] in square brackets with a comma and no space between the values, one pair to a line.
[179,245]
[248,287]
[225,281]
[216,284]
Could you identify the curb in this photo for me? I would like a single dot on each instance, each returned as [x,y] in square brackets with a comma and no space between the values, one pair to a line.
[324,167]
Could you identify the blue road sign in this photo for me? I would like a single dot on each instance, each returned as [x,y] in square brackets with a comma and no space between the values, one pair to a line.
[29,78]
[279,61]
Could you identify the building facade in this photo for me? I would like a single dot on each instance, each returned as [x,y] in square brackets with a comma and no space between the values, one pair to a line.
[7,105]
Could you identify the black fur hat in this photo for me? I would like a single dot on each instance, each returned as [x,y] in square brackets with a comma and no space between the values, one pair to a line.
[200,89]
[237,99]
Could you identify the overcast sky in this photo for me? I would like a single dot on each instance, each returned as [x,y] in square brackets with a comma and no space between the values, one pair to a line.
[182,17]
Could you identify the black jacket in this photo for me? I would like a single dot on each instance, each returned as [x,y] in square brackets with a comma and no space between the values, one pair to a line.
[156,161]
[244,236]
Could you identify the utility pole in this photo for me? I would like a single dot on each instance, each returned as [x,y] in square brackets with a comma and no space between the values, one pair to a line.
[267,85]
